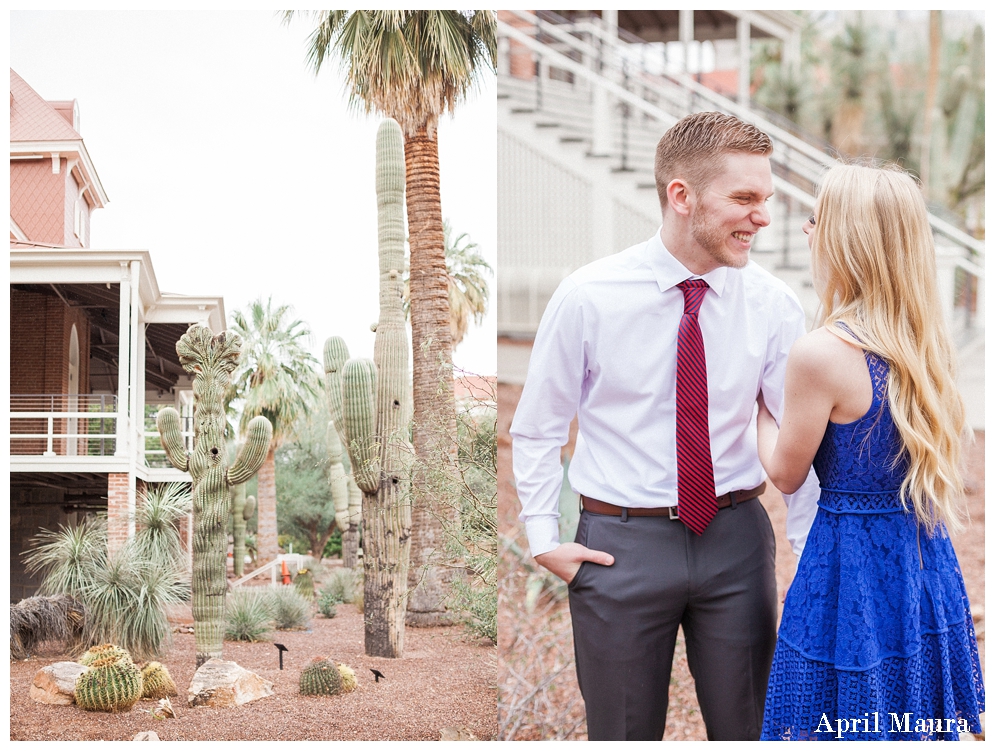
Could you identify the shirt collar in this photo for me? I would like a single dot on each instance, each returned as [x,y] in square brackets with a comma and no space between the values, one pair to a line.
[670,272]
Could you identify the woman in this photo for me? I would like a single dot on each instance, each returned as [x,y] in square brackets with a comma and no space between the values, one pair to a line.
[876,639]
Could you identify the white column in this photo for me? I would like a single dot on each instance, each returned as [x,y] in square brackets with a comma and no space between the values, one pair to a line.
[685,30]
[123,362]
[137,394]
[743,40]
[601,101]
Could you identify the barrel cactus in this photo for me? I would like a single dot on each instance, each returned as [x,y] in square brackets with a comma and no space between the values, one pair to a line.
[321,678]
[102,652]
[376,414]
[110,684]
[211,359]
[157,683]
[348,678]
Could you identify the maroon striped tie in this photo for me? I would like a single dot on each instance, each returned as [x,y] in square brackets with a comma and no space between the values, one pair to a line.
[695,478]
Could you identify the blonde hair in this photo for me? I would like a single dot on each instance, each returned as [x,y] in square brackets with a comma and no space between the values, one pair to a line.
[873,249]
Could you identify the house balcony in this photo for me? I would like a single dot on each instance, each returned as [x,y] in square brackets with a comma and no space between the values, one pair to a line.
[86,433]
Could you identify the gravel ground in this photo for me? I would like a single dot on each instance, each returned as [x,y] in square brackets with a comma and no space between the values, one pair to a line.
[445,679]
[538,696]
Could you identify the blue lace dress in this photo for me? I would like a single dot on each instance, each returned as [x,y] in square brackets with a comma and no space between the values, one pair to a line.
[876,640]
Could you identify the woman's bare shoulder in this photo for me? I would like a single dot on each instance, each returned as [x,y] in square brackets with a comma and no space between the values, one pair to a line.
[822,357]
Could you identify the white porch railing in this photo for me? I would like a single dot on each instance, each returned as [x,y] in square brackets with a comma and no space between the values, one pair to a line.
[79,425]
[63,424]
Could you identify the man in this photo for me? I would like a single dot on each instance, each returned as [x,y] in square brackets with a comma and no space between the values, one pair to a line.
[663,373]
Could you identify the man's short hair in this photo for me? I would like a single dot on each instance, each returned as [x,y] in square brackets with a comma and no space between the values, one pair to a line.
[693,149]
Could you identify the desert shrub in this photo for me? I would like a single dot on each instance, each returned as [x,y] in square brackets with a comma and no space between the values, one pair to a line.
[473,536]
[125,594]
[56,618]
[341,584]
[328,604]
[248,614]
[290,609]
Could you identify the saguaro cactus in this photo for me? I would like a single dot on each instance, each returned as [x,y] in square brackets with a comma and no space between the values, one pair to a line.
[347,497]
[242,509]
[376,416]
[211,359]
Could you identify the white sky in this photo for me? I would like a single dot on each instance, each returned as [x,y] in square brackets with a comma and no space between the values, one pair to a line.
[240,171]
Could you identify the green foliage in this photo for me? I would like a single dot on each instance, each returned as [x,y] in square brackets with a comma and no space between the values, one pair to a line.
[343,584]
[473,537]
[321,678]
[109,685]
[291,611]
[160,509]
[305,507]
[125,594]
[333,548]
[248,614]
[328,604]
[469,292]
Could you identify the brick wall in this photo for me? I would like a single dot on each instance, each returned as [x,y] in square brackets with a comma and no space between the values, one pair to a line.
[40,331]
[117,510]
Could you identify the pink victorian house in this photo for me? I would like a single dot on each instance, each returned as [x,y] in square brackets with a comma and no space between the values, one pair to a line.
[92,342]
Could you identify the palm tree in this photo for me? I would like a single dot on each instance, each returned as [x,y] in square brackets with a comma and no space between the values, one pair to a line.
[413,66]
[468,289]
[276,378]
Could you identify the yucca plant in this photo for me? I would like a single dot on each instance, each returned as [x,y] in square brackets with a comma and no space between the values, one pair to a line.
[159,510]
[125,594]
[69,557]
[248,614]
[291,611]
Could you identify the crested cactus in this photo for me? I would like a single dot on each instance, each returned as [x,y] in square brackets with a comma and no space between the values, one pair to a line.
[321,678]
[347,497]
[110,684]
[211,359]
[375,416]
[102,652]
[157,683]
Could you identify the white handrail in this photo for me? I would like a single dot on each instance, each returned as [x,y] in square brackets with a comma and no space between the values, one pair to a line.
[793,142]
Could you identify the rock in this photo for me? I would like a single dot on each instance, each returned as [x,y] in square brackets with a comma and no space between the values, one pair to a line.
[457,734]
[146,735]
[219,683]
[55,683]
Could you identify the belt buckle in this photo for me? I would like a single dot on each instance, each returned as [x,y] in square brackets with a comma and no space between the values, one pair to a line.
[672,511]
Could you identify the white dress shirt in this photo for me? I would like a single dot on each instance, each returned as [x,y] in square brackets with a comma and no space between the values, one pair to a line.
[606,351]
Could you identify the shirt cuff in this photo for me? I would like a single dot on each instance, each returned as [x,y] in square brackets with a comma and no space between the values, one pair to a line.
[543,533]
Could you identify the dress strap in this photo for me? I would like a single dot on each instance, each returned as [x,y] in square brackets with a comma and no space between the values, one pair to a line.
[877,367]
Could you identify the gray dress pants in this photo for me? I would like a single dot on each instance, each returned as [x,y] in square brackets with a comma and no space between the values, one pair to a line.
[719,587]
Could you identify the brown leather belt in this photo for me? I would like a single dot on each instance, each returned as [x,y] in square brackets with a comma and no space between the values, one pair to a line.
[723,501]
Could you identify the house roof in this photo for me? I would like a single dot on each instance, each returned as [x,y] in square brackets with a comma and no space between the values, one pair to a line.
[38,128]
[34,119]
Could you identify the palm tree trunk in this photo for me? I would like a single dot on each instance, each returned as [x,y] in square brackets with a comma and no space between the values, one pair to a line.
[266,543]
[434,429]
